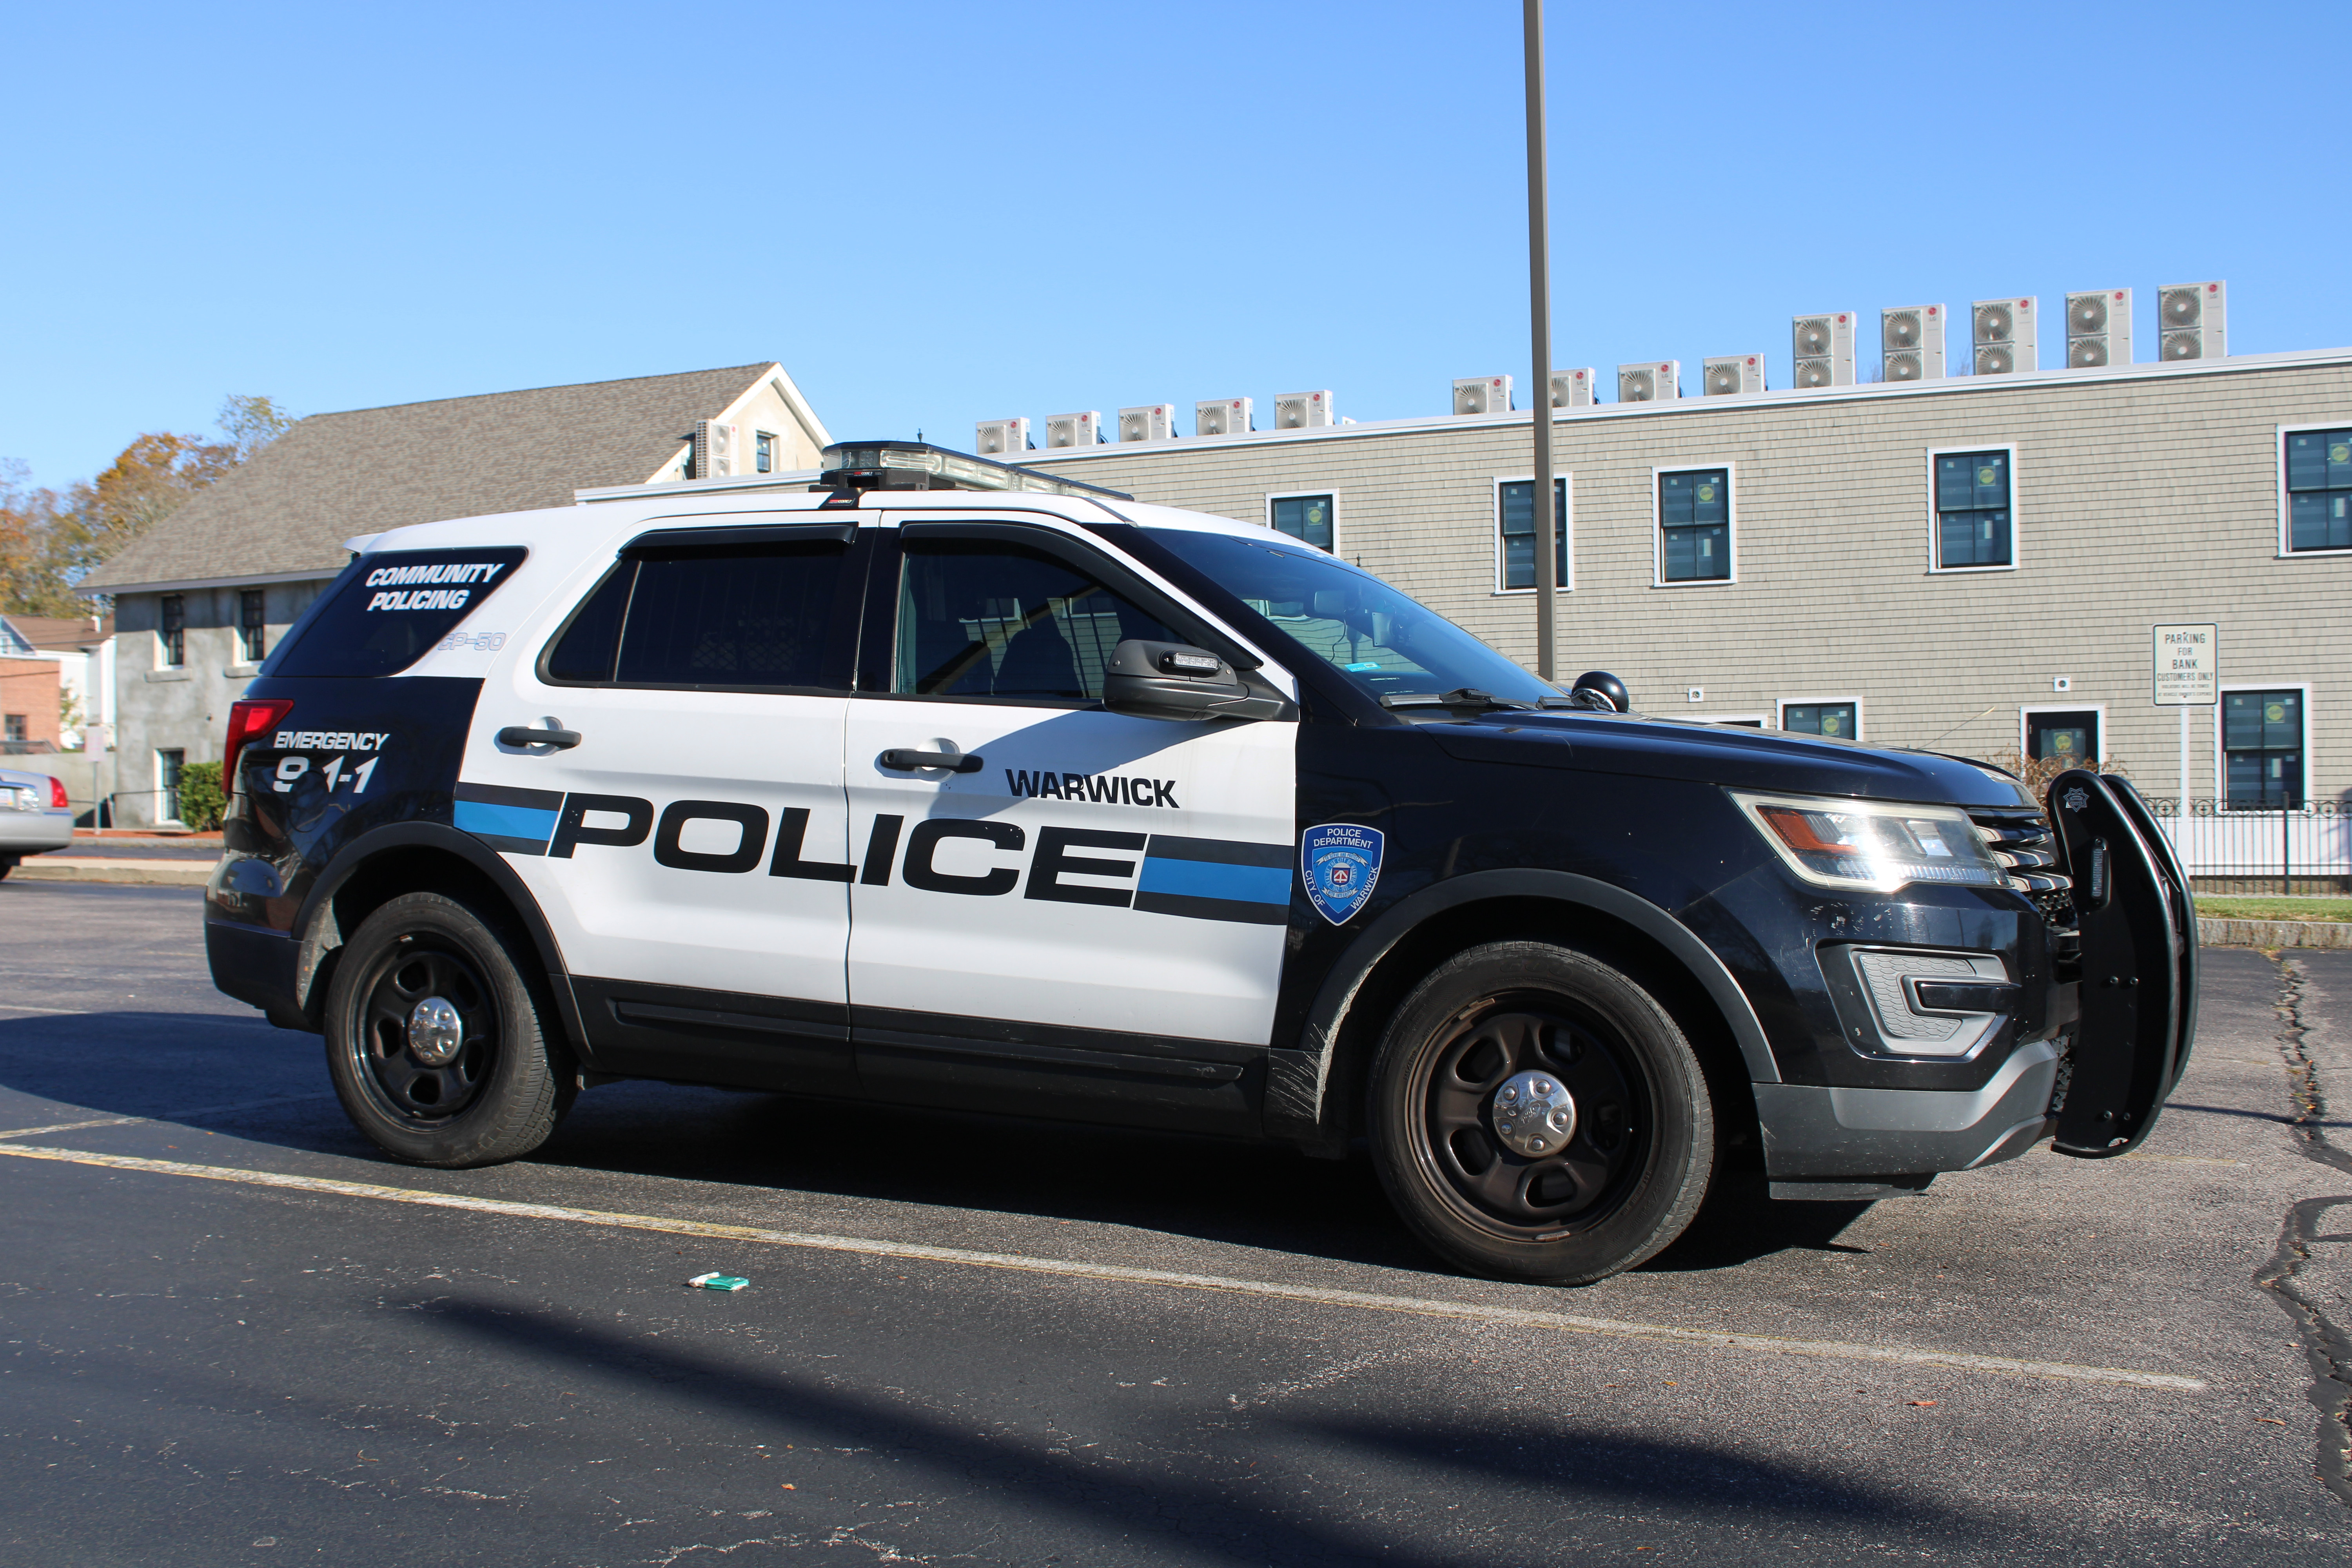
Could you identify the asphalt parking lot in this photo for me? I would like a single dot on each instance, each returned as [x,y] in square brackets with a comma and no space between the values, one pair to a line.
[233,1334]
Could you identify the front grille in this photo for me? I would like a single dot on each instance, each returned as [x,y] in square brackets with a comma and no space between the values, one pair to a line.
[2021,841]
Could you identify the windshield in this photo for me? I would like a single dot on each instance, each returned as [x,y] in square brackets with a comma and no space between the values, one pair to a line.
[1377,638]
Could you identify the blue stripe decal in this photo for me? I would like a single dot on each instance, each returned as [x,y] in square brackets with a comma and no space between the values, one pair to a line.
[1212,880]
[504,821]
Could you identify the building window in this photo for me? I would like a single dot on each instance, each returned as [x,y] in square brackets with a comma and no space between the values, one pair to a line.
[1695,526]
[172,630]
[252,625]
[1514,523]
[1836,721]
[15,730]
[764,452]
[1972,510]
[2262,749]
[2319,490]
[1308,519]
[2069,736]
[167,775]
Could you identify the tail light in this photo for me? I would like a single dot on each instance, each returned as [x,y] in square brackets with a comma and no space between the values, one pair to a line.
[248,719]
[57,801]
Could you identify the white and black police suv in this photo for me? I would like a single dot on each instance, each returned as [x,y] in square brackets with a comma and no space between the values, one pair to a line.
[958,785]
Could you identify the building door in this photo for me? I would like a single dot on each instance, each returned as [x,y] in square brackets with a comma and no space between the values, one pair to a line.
[690,850]
[2071,739]
[1087,878]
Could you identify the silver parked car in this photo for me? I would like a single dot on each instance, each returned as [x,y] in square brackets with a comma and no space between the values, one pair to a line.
[34,817]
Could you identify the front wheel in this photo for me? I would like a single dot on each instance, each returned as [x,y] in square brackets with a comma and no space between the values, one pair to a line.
[438,1044]
[1537,1115]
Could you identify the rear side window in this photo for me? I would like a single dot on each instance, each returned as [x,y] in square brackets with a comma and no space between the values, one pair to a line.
[389,609]
[760,616]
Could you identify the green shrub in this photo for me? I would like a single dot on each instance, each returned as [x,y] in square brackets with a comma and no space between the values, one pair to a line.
[201,801]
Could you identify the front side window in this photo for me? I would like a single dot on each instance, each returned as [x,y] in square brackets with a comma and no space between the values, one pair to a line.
[252,623]
[987,619]
[2262,749]
[1833,721]
[696,617]
[2071,737]
[1515,509]
[1380,641]
[1695,526]
[1972,510]
[763,453]
[172,631]
[2319,490]
[1307,518]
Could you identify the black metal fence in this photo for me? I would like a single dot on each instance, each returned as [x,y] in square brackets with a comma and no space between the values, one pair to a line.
[2295,849]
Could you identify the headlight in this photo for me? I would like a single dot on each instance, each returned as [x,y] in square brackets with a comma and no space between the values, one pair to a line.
[1842,843]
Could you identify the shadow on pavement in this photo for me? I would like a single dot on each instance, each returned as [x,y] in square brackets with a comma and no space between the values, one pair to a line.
[1558,1467]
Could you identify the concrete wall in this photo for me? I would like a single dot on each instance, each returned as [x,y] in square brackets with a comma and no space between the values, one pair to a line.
[159,707]
[2147,496]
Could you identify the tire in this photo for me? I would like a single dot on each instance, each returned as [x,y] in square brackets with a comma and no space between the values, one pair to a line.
[1625,1167]
[494,1092]
[8,864]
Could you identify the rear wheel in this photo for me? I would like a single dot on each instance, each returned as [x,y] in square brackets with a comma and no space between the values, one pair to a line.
[1537,1115]
[440,1045]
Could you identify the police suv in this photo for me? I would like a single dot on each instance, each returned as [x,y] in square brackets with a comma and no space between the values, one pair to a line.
[955,785]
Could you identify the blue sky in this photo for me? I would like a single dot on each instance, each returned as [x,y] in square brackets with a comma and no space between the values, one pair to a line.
[935,212]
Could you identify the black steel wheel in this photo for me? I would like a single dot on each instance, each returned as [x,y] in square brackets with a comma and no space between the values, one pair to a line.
[441,1047]
[1537,1115]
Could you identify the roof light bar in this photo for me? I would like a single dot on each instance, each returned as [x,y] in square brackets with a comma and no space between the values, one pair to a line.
[915,466]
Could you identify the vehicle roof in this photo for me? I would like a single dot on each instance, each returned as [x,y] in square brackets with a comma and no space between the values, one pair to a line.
[604,524]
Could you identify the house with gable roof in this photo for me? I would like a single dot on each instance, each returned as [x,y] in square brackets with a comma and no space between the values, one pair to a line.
[202,599]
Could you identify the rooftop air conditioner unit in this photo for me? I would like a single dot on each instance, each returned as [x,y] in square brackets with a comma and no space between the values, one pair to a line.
[1152,422]
[1823,347]
[1573,388]
[1301,410]
[1225,416]
[1733,374]
[1073,429]
[2004,336]
[1658,381]
[1005,438]
[1911,342]
[718,453]
[2194,320]
[2098,328]
[1483,394]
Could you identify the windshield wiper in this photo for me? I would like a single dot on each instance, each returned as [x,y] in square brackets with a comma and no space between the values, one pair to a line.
[1468,697]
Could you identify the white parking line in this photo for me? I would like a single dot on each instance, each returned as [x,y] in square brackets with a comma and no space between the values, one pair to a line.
[167,1116]
[1510,1317]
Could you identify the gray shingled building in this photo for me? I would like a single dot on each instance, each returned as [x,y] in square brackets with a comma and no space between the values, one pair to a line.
[200,599]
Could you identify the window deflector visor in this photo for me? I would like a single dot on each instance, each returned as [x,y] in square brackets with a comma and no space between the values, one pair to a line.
[1873,845]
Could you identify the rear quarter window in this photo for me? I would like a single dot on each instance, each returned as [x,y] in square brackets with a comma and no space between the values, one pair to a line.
[388,609]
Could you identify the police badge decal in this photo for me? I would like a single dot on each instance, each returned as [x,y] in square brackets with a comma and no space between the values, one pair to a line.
[1342,863]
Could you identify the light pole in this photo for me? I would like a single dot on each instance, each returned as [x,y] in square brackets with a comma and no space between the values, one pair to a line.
[1539,324]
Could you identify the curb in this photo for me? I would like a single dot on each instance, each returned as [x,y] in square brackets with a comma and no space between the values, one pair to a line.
[2274,934]
[143,873]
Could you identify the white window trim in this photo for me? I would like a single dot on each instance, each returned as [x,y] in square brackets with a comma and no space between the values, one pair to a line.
[775,450]
[1936,567]
[2025,715]
[1567,530]
[1730,522]
[2285,551]
[2222,762]
[1336,537]
[1781,713]
[1761,720]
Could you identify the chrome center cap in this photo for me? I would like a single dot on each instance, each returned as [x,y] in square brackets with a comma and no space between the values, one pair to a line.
[435,1033]
[1534,1114]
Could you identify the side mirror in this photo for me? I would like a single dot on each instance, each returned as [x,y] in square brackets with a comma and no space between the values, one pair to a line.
[1174,680]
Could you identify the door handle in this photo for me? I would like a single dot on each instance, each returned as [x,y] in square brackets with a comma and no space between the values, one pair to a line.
[905,762]
[527,735]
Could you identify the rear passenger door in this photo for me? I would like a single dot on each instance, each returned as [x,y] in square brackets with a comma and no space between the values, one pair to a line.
[692,846]
[1096,907]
